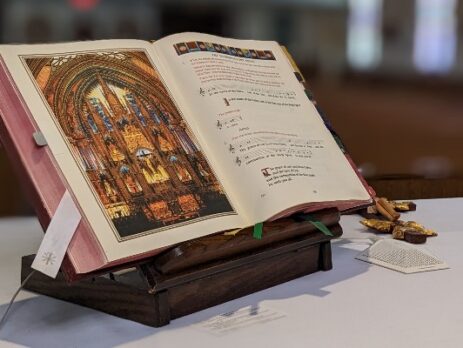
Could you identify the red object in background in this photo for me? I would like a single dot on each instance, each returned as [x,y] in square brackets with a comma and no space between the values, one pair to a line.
[84,5]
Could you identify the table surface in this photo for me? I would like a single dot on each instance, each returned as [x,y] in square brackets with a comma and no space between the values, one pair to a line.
[354,305]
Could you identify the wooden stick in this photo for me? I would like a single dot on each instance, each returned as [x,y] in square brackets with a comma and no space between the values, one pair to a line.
[385,209]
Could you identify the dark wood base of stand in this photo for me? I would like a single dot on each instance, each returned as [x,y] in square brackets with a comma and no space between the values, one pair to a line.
[199,274]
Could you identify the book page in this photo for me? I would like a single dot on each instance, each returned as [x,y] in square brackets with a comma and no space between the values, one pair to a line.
[130,158]
[265,137]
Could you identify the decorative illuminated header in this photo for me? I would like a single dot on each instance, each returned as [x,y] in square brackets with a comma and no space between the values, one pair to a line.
[199,46]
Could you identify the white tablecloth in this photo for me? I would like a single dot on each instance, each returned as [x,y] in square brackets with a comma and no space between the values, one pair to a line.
[354,305]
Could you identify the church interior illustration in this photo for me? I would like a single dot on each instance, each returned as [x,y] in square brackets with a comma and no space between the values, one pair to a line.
[139,156]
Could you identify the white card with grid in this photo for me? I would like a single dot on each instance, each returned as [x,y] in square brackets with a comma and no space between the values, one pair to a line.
[401,256]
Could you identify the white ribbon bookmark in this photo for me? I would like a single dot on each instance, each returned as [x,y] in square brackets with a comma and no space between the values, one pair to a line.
[57,238]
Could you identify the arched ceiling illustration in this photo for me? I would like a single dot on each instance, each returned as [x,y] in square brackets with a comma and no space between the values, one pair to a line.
[74,78]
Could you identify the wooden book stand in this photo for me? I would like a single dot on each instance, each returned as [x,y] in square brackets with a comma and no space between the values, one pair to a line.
[200,273]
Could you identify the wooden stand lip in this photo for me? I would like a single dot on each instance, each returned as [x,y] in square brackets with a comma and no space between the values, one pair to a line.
[218,246]
[168,281]
[329,217]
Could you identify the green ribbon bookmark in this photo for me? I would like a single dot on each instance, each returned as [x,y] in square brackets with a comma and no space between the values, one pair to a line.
[318,224]
[258,230]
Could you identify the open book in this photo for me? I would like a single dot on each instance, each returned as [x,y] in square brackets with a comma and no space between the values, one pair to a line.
[163,142]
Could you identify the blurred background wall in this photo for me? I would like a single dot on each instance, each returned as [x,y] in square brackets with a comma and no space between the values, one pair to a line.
[388,74]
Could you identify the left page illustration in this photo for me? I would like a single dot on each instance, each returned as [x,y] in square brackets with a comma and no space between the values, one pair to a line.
[139,157]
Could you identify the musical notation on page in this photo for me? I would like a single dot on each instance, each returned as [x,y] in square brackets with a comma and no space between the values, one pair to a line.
[259,154]
[266,141]
[228,122]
